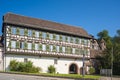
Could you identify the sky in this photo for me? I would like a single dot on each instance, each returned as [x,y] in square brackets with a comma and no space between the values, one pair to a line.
[92,15]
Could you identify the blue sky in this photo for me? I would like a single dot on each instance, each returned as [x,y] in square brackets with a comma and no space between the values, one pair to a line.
[92,15]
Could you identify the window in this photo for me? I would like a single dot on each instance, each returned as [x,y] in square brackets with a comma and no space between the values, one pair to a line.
[57,37]
[36,47]
[13,30]
[22,45]
[30,46]
[37,34]
[51,48]
[73,50]
[29,33]
[63,38]
[57,48]
[44,47]
[21,31]
[13,44]
[63,49]
[74,41]
[68,39]
[44,35]
[51,36]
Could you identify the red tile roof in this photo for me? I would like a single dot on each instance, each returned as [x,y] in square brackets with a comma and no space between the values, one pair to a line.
[15,19]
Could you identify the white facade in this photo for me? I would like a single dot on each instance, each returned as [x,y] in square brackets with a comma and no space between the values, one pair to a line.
[1,58]
[62,66]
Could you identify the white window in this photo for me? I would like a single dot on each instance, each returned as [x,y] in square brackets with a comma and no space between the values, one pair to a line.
[51,48]
[30,46]
[74,40]
[37,34]
[29,33]
[63,49]
[44,47]
[68,39]
[51,36]
[73,50]
[13,30]
[63,38]
[36,47]
[13,44]
[57,48]
[57,37]
[21,31]
[44,35]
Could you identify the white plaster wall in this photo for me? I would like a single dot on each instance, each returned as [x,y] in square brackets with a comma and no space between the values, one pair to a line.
[62,65]
[1,59]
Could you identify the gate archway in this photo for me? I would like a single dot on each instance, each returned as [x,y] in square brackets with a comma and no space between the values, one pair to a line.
[73,69]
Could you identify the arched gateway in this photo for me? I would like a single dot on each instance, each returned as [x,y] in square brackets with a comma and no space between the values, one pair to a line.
[73,69]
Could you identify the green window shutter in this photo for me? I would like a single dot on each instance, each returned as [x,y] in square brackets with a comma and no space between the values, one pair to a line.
[17,44]
[60,37]
[26,32]
[9,45]
[60,49]
[47,48]
[77,41]
[18,31]
[54,37]
[47,35]
[66,38]
[54,48]
[33,46]
[77,51]
[69,50]
[40,34]
[82,41]
[33,33]
[25,45]
[40,47]
[9,30]
[71,40]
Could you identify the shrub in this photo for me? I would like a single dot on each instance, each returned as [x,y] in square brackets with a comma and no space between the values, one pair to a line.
[92,70]
[23,67]
[51,69]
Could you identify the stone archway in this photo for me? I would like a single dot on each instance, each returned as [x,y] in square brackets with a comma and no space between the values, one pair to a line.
[73,69]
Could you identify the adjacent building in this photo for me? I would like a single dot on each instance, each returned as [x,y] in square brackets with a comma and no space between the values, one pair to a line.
[44,43]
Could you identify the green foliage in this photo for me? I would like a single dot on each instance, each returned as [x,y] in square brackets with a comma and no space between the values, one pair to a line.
[51,69]
[71,39]
[23,67]
[107,58]
[92,70]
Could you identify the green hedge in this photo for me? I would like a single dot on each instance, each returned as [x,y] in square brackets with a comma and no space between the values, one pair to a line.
[23,67]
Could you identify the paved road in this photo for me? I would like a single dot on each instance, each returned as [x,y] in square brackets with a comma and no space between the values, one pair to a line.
[4,76]
[109,78]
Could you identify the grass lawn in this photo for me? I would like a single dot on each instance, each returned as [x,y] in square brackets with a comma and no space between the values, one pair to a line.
[59,75]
